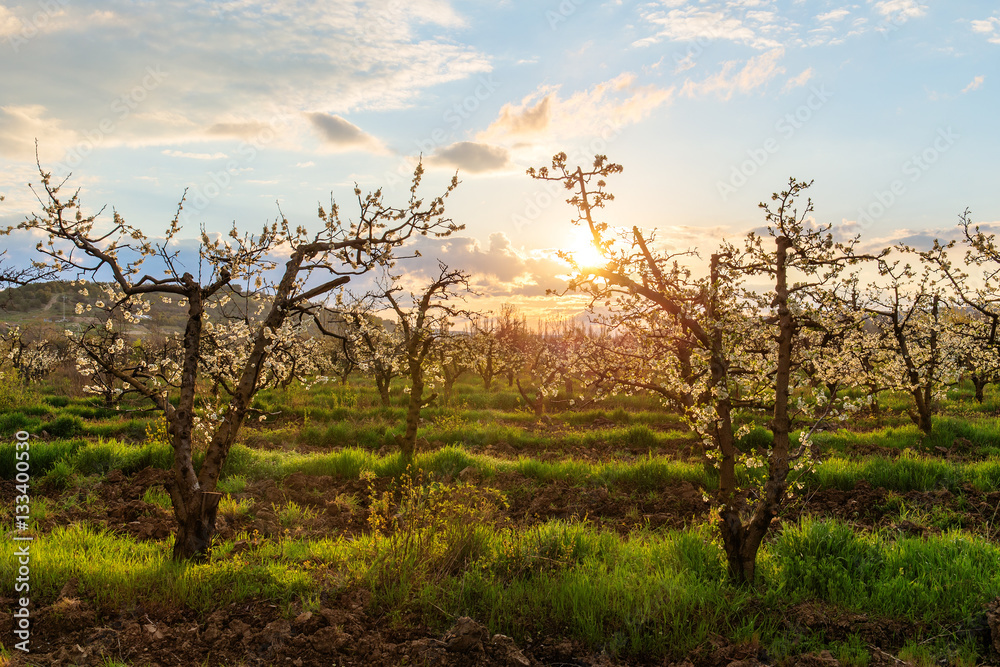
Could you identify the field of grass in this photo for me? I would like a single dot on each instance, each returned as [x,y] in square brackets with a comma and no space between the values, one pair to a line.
[583,530]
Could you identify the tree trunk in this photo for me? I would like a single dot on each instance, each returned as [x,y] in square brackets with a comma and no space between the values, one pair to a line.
[979,382]
[486,372]
[922,415]
[741,554]
[742,542]
[876,407]
[408,443]
[194,526]
[536,404]
[383,390]
[194,533]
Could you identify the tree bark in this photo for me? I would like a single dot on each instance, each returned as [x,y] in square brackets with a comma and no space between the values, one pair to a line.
[194,534]
[408,444]
[979,382]
[383,389]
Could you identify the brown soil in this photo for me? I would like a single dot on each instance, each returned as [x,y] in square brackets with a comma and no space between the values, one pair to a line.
[346,630]
[342,632]
[870,507]
[340,506]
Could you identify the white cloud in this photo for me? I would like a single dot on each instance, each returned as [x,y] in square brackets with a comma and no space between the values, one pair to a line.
[834,15]
[764,25]
[755,73]
[546,114]
[195,156]
[989,27]
[985,25]
[499,270]
[21,125]
[9,23]
[692,24]
[975,84]
[900,11]
[798,81]
[230,68]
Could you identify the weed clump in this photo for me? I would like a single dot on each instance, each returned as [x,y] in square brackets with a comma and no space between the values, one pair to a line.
[424,532]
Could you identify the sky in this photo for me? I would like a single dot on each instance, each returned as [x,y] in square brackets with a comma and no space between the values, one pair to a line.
[889,105]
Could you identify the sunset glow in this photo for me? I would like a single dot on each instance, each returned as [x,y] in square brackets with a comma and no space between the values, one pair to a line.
[584,252]
[710,107]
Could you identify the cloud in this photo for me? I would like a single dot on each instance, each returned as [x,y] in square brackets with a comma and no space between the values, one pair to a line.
[975,84]
[20,125]
[526,119]
[755,73]
[241,129]
[834,15]
[695,24]
[230,68]
[499,270]
[9,23]
[798,81]
[900,11]
[546,115]
[472,157]
[987,27]
[195,156]
[763,25]
[341,134]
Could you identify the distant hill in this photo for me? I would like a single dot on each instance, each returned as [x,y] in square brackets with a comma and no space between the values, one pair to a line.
[56,301]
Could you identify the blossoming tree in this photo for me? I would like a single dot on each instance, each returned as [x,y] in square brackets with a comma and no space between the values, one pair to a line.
[240,352]
[731,345]
[422,319]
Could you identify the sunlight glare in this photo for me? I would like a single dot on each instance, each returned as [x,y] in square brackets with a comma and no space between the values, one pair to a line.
[584,251]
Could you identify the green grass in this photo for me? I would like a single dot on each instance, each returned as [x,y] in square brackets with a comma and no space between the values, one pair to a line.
[43,455]
[105,455]
[656,594]
[112,568]
[157,495]
[652,593]
[645,595]
[907,473]
[938,580]
[646,474]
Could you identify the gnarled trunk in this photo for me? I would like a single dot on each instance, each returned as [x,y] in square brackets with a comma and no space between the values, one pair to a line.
[195,530]
[979,382]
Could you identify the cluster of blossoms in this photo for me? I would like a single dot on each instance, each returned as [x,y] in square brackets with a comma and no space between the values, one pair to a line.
[33,357]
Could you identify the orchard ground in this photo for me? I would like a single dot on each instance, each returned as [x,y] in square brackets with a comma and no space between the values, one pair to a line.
[580,538]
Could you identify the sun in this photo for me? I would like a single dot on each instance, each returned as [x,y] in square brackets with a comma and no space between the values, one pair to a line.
[581,247]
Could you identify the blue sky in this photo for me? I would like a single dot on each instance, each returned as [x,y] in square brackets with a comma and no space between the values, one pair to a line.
[710,106]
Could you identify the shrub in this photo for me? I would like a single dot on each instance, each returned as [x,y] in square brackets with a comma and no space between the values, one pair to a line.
[65,426]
